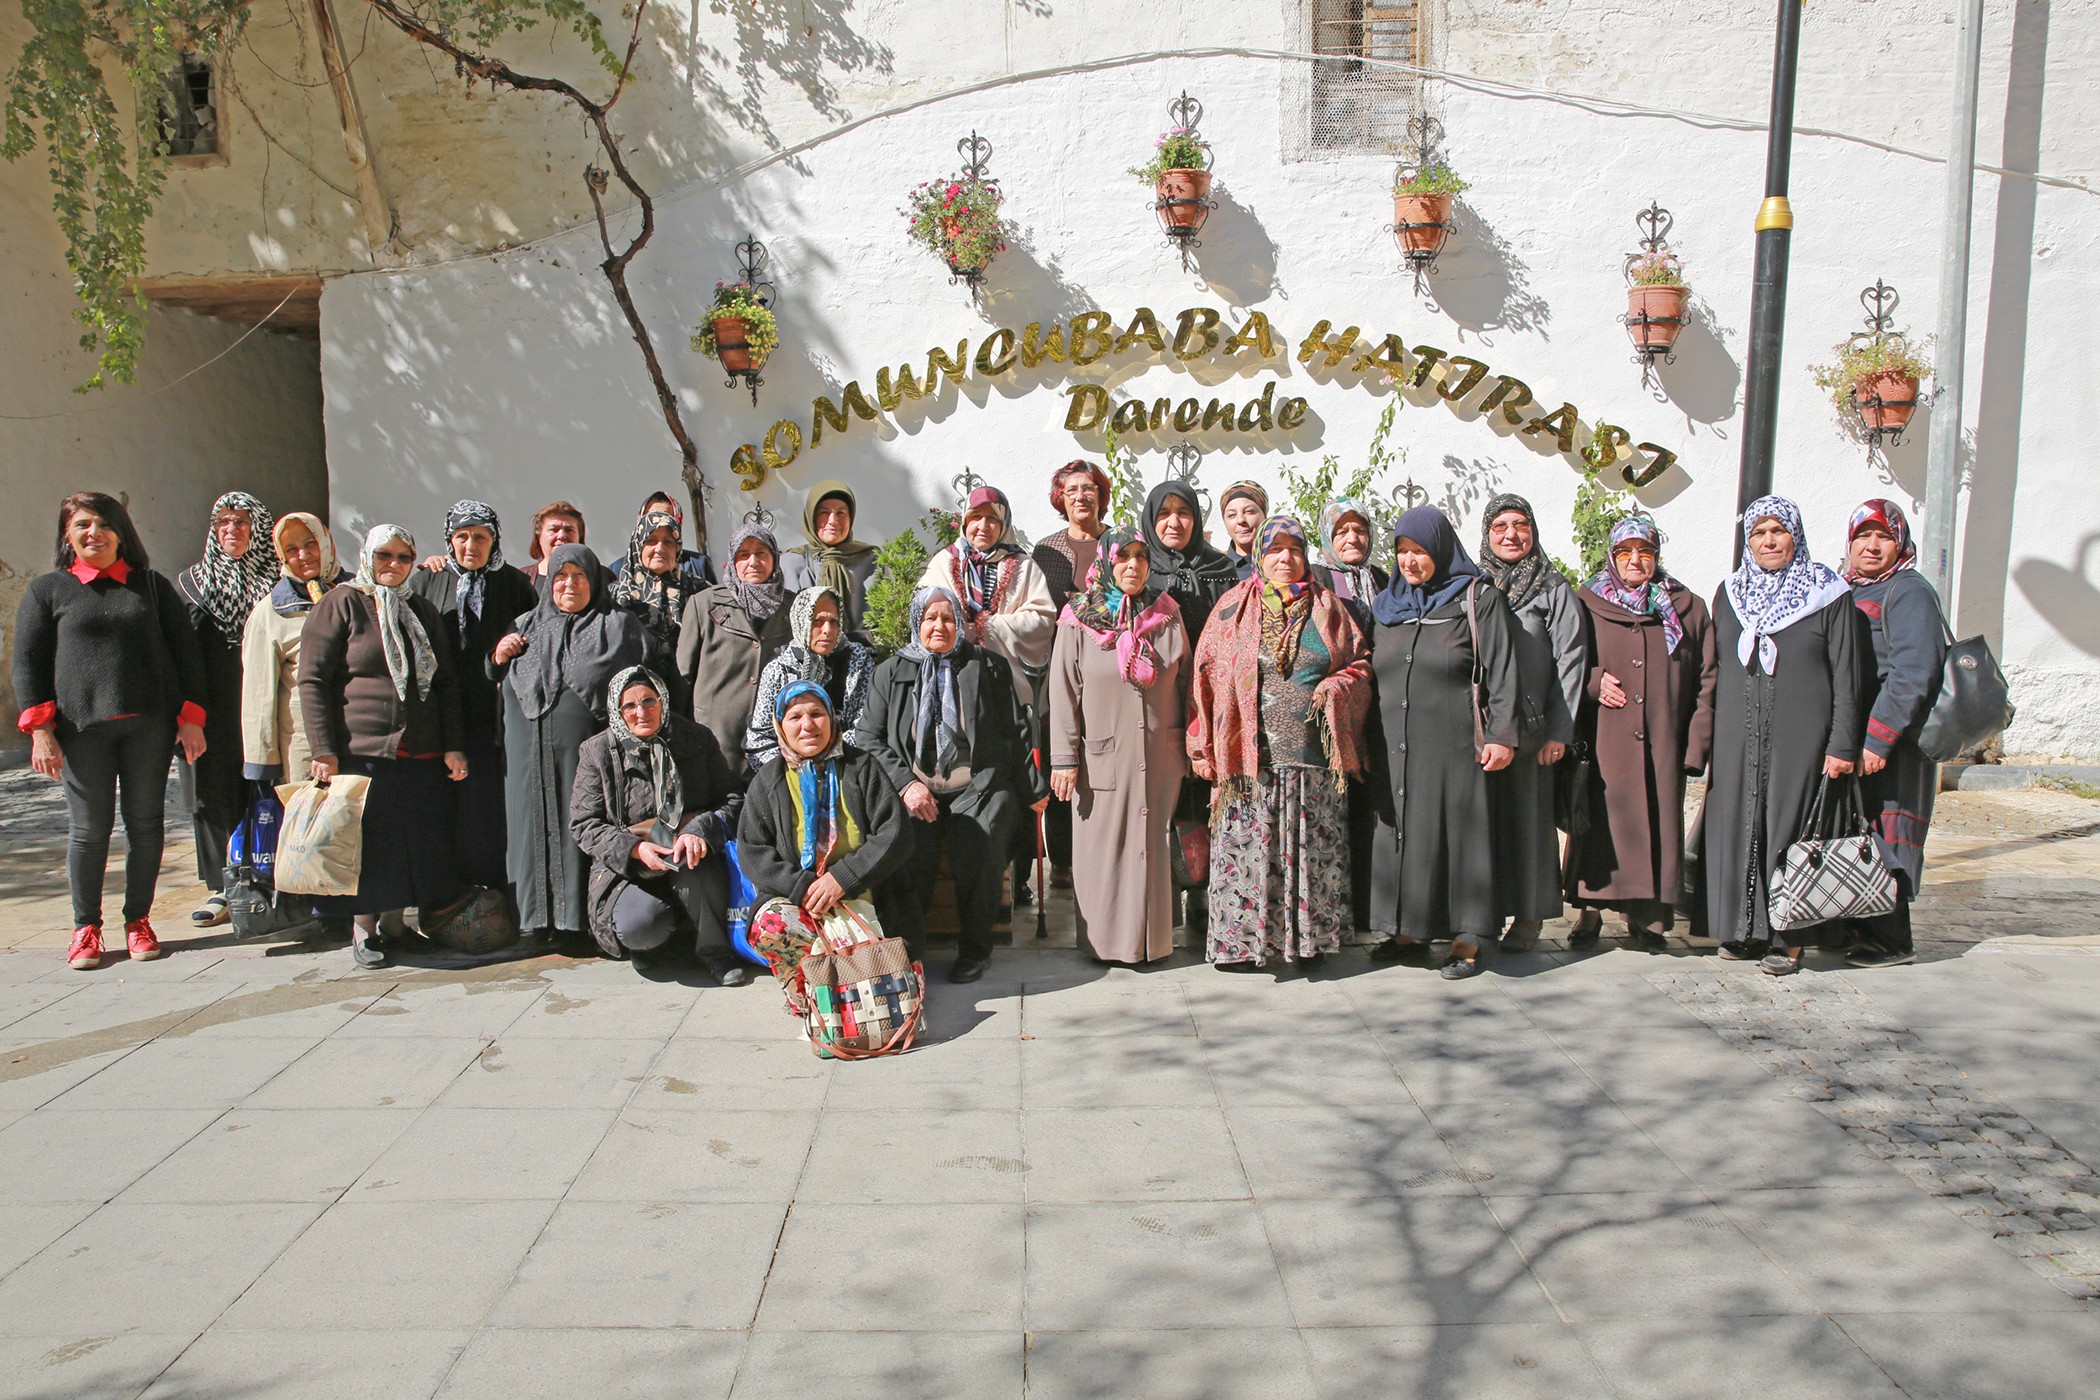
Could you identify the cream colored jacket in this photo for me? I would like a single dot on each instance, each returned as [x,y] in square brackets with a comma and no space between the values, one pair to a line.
[273,733]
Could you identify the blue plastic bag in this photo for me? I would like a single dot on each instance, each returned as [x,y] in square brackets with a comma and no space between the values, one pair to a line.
[742,897]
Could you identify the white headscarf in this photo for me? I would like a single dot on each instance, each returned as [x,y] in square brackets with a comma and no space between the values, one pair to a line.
[401,634]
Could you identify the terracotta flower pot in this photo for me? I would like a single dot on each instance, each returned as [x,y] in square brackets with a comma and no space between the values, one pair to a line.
[1897,395]
[1421,209]
[732,344]
[1664,309]
[1181,196]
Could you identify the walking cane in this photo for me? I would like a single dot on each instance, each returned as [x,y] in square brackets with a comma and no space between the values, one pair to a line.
[1042,888]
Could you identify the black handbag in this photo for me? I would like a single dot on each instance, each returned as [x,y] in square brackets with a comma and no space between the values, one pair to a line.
[1974,705]
[1572,780]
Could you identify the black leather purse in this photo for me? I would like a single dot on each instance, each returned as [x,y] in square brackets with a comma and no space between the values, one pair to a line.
[1572,778]
[1974,705]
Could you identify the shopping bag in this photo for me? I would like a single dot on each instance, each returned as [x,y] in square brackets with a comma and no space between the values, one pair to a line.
[857,994]
[1828,875]
[743,897]
[320,847]
[252,898]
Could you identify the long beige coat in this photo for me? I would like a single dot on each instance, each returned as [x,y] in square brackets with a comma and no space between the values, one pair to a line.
[273,729]
[1129,748]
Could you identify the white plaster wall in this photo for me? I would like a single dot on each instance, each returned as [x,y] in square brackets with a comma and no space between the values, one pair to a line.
[512,377]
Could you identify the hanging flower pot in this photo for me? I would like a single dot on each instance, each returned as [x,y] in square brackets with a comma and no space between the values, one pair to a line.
[1655,315]
[733,343]
[957,219]
[1184,199]
[1179,173]
[1423,221]
[1886,399]
[741,333]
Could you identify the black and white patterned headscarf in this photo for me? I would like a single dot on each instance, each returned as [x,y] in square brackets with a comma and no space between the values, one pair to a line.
[228,588]
[473,583]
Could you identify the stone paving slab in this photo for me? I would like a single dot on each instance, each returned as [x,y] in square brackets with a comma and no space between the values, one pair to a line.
[257,1170]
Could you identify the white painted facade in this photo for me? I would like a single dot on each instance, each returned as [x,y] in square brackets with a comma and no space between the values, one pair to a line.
[459,369]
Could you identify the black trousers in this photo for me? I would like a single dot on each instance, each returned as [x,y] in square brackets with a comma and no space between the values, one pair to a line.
[217,797]
[977,841]
[648,914]
[119,760]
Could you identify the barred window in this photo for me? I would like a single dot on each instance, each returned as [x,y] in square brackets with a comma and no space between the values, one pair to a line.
[1358,105]
[189,108]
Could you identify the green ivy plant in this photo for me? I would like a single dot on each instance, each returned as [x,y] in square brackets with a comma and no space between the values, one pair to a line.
[1862,356]
[740,299]
[899,564]
[89,63]
[1433,178]
[1126,487]
[1178,149]
[1597,509]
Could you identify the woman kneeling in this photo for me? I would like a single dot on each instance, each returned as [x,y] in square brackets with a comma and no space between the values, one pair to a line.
[653,807]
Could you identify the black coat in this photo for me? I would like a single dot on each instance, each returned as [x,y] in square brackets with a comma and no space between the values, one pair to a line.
[769,845]
[995,746]
[506,595]
[1771,734]
[613,792]
[1904,659]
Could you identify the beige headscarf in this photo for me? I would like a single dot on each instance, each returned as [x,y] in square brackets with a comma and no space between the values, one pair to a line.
[331,568]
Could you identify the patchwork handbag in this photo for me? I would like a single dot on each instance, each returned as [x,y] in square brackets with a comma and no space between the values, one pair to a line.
[857,994]
[1826,876]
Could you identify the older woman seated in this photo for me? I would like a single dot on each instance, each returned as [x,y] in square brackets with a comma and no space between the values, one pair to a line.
[654,808]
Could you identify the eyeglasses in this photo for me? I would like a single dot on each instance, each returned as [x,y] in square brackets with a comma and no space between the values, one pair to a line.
[636,707]
[388,556]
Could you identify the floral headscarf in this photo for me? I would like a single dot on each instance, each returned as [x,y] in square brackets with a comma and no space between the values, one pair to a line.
[979,577]
[668,787]
[402,639]
[1889,516]
[659,599]
[1520,580]
[473,583]
[1770,600]
[1364,583]
[1117,621]
[1284,606]
[226,588]
[1651,599]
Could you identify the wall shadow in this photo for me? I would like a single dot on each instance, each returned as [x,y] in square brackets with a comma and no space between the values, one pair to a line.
[1237,259]
[1702,380]
[2065,598]
[1482,283]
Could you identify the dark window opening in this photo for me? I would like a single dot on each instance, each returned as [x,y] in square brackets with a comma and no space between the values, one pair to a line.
[189,110]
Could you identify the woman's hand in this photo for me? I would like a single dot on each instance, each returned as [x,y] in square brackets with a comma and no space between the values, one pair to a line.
[1496,757]
[1063,781]
[1610,694]
[1872,762]
[456,766]
[689,850]
[510,648]
[1202,771]
[434,564]
[1552,753]
[822,896]
[323,768]
[1834,767]
[190,739]
[44,753]
[920,802]
[652,855]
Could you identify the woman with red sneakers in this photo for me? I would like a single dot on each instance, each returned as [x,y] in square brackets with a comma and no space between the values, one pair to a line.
[111,681]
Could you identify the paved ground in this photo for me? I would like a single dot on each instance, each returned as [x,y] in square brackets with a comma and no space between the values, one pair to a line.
[255,1171]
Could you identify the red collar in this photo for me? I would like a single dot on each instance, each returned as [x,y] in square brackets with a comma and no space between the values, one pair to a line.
[88,573]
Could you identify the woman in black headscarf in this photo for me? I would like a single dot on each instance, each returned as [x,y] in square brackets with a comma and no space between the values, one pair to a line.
[1196,575]
[654,810]
[481,598]
[1552,664]
[238,570]
[554,671]
[1436,626]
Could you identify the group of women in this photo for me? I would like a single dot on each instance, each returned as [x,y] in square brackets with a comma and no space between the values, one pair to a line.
[1272,744]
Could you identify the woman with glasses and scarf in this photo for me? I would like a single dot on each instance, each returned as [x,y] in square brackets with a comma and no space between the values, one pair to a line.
[1003,605]
[820,653]
[554,670]
[727,635]
[1552,651]
[945,726]
[237,571]
[654,808]
[1280,691]
[1788,712]
[1118,748]
[379,687]
[1436,627]
[480,598]
[1908,635]
[1648,714]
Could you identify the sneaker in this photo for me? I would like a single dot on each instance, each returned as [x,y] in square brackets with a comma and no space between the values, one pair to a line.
[211,913]
[86,953]
[1879,957]
[1457,969]
[139,939]
[368,952]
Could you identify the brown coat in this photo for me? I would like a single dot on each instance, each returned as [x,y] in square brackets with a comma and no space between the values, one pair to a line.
[1634,849]
[721,653]
[348,696]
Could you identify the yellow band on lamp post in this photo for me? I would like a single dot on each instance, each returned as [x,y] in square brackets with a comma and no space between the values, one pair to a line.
[1775,213]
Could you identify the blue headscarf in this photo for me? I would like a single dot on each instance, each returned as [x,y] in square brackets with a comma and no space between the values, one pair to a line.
[1401,601]
[817,778]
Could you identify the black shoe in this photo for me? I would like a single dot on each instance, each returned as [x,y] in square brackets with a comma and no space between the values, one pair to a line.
[1457,969]
[1023,895]
[1648,941]
[1880,957]
[1588,925]
[1404,951]
[1739,950]
[368,952]
[1244,965]
[968,969]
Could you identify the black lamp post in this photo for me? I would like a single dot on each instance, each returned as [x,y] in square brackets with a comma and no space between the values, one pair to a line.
[1775,223]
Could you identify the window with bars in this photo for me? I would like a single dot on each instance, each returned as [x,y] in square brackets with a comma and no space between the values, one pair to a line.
[1359,105]
[189,108]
